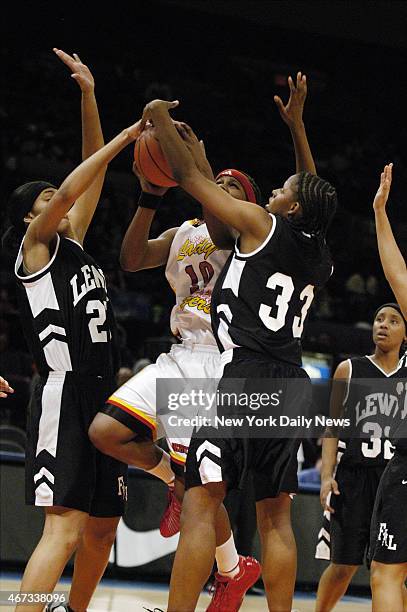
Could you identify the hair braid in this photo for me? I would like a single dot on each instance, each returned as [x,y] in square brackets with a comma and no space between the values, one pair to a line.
[319,201]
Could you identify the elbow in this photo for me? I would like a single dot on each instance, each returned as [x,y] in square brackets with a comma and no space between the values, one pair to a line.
[129,264]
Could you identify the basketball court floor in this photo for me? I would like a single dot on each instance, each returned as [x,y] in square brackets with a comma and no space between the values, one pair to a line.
[115,596]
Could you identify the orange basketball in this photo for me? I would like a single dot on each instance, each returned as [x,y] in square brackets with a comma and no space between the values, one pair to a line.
[150,160]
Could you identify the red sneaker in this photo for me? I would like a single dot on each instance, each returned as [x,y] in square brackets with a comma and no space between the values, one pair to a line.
[169,524]
[228,593]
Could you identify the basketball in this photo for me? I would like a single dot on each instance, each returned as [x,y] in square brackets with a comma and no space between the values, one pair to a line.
[150,160]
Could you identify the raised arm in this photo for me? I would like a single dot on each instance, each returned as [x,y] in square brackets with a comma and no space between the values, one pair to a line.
[221,235]
[252,222]
[43,228]
[137,251]
[394,266]
[82,211]
[291,114]
[330,441]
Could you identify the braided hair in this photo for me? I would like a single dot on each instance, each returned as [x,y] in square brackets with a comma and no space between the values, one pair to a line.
[318,201]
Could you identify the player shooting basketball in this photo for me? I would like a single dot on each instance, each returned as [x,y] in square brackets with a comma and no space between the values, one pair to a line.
[192,273]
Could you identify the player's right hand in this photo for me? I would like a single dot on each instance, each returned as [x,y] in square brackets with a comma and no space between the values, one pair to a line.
[146,186]
[80,72]
[328,486]
[291,113]
[382,194]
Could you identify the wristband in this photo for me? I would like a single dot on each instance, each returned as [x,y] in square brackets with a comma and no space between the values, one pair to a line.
[149,200]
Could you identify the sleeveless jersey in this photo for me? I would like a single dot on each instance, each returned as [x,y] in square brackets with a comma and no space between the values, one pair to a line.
[262,298]
[194,264]
[399,437]
[66,314]
[374,403]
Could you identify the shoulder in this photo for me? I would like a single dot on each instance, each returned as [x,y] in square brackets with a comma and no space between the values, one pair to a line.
[344,369]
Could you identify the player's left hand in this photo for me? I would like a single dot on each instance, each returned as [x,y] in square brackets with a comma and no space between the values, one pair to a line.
[80,72]
[196,148]
[291,113]
[382,194]
[5,388]
[156,106]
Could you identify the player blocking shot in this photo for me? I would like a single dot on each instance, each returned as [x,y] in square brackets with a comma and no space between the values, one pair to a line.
[70,330]
[388,539]
[129,426]
[281,247]
[352,466]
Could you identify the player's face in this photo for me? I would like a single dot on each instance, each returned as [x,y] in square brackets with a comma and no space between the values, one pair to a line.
[232,186]
[283,200]
[389,330]
[41,204]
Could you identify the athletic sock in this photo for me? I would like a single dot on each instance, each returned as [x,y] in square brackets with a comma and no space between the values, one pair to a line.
[227,558]
[163,470]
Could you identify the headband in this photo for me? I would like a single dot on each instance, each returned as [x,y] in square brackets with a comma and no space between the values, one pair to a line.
[243,180]
[395,307]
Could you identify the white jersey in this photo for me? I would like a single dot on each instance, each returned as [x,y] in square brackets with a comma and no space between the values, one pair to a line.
[193,266]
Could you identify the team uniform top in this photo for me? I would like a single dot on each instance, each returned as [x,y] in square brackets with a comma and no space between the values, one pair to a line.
[374,402]
[399,437]
[261,299]
[66,314]
[193,265]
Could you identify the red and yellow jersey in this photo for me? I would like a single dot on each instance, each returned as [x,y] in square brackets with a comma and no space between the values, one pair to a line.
[193,266]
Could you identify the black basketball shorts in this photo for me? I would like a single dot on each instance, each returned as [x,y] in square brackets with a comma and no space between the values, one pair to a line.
[388,535]
[272,461]
[63,468]
[349,525]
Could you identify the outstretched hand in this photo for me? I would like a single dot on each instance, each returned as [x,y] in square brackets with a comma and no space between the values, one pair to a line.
[153,107]
[291,113]
[382,194]
[5,388]
[80,72]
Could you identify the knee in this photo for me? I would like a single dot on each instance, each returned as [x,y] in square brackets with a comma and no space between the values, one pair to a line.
[100,539]
[377,576]
[69,539]
[343,572]
[100,434]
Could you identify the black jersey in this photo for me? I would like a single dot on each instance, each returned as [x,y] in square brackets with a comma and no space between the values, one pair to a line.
[66,314]
[374,403]
[261,299]
[399,435]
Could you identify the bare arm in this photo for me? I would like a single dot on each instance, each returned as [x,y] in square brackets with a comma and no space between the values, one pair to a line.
[44,227]
[394,266]
[221,235]
[292,114]
[82,211]
[137,251]
[252,222]
[330,441]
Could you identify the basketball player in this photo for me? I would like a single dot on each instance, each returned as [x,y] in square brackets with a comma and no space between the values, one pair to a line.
[388,542]
[69,326]
[133,406]
[352,486]
[258,310]
[5,388]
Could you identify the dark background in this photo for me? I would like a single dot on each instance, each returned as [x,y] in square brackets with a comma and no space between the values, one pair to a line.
[224,61]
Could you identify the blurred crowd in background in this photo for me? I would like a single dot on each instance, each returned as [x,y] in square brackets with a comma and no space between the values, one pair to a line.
[224,70]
